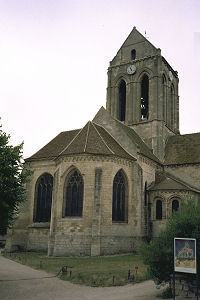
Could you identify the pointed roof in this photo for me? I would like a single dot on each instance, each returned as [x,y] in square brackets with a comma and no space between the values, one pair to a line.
[183,149]
[124,135]
[169,183]
[135,37]
[137,41]
[93,139]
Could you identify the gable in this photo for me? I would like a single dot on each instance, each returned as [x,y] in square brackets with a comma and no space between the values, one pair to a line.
[135,41]
[124,135]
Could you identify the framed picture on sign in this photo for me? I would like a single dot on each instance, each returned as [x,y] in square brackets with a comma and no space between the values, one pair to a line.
[185,255]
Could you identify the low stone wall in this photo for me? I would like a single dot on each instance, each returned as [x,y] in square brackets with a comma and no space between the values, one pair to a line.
[185,287]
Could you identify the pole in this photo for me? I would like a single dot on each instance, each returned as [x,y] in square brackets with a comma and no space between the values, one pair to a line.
[174,288]
[197,268]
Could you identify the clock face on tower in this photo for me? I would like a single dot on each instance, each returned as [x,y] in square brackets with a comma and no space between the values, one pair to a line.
[131,69]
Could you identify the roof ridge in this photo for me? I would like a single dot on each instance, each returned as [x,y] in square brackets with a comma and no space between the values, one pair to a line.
[102,138]
[86,140]
[70,142]
[137,144]
[115,140]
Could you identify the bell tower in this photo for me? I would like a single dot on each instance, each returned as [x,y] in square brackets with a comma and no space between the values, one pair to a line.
[142,92]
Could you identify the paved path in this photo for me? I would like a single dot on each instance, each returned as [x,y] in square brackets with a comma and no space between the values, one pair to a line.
[19,282]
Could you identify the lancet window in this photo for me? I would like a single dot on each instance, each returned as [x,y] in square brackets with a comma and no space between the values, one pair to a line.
[43,198]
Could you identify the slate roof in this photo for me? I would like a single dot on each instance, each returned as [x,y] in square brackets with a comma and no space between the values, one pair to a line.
[91,139]
[143,148]
[104,119]
[55,146]
[183,149]
[169,183]
[94,139]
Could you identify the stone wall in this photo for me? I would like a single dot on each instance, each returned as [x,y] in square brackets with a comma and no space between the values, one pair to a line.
[94,233]
[184,287]
[38,235]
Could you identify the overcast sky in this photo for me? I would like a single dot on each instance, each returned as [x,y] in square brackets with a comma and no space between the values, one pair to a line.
[54,56]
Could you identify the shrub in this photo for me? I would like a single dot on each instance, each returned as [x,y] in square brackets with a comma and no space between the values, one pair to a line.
[158,253]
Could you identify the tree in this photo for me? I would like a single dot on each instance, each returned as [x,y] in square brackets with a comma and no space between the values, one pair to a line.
[13,176]
[158,254]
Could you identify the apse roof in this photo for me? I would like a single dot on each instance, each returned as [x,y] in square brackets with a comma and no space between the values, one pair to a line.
[183,149]
[91,139]
[55,146]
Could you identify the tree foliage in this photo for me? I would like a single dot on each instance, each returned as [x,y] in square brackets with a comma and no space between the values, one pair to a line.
[13,176]
[158,254]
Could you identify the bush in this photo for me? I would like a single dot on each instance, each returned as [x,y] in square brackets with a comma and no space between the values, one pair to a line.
[158,254]
[166,294]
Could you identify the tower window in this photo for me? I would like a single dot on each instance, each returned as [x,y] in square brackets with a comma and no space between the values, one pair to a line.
[145,98]
[122,100]
[133,54]
[158,210]
[119,207]
[172,106]
[43,198]
[164,91]
[74,195]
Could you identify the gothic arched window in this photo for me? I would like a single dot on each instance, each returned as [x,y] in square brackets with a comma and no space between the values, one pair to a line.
[74,195]
[133,54]
[122,100]
[175,205]
[43,198]
[119,200]
[145,97]
[159,210]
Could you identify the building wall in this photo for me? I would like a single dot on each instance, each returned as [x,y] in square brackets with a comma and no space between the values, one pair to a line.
[94,233]
[25,234]
[167,196]
[91,232]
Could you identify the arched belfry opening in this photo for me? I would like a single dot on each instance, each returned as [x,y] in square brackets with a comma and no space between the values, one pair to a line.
[164,92]
[172,106]
[122,101]
[145,97]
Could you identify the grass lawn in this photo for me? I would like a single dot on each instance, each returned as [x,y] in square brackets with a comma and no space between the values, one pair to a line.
[93,271]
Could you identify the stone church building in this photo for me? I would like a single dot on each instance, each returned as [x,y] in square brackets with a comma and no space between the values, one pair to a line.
[105,188]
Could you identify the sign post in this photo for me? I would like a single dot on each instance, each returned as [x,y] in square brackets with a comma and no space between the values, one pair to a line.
[185,258]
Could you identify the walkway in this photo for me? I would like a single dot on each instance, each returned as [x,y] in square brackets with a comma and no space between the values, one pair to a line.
[19,282]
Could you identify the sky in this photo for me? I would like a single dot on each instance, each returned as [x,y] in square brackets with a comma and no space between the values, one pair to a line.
[54,56]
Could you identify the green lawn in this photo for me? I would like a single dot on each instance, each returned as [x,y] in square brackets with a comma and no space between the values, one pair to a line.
[93,271]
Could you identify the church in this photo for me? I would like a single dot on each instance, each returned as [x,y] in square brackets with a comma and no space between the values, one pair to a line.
[111,185]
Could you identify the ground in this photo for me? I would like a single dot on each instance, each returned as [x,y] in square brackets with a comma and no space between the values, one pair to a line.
[20,282]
